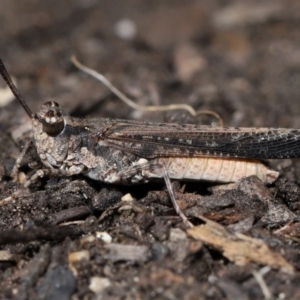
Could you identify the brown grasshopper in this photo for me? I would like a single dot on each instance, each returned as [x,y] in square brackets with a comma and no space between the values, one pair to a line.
[129,152]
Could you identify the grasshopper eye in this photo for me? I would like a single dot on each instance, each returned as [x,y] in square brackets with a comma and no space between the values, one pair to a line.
[51,116]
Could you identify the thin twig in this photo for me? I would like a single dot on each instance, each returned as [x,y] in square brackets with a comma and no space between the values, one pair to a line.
[135,106]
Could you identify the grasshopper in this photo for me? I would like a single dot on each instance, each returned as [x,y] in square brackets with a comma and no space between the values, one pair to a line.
[129,152]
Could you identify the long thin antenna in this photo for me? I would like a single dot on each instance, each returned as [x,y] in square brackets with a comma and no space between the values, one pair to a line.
[14,89]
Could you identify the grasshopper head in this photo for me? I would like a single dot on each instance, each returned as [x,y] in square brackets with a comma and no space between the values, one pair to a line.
[51,135]
[52,119]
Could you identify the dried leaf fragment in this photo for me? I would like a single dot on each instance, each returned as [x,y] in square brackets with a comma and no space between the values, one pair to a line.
[238,248]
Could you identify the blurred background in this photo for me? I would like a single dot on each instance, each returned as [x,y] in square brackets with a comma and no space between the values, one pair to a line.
[238,58]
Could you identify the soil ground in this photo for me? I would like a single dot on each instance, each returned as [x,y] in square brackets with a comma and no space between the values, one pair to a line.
[73,238]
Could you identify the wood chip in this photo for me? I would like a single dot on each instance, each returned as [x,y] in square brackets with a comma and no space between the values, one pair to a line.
[119,252]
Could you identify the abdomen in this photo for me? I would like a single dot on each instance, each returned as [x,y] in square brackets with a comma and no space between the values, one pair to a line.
[223,170]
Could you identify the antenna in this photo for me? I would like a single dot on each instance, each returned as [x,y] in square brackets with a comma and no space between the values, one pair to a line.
[14,89]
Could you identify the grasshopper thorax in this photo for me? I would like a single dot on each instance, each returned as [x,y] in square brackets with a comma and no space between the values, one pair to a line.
[51,117]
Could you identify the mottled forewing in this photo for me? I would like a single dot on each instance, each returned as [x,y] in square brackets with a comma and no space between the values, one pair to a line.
[150,140]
